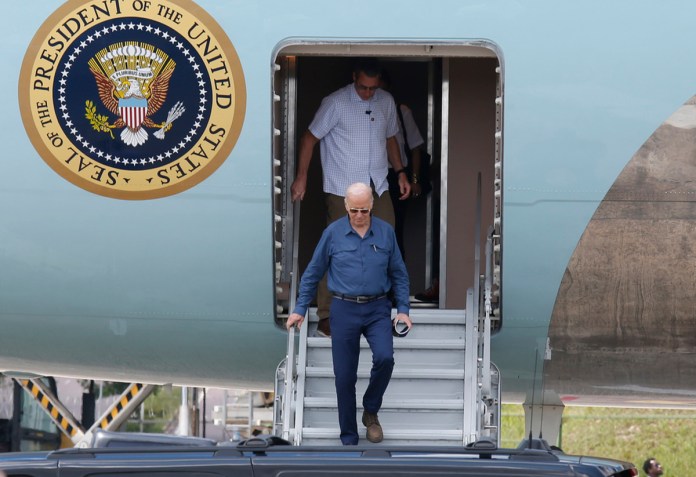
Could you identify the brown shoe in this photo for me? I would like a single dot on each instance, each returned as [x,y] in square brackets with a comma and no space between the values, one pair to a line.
[374,429]
[324,328]
[431,295]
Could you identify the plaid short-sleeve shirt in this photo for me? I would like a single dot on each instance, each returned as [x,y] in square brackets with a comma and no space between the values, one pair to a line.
[353,135]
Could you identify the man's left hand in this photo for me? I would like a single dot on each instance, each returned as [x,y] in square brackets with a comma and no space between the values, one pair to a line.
[404,187]
[294,319]
[404,318]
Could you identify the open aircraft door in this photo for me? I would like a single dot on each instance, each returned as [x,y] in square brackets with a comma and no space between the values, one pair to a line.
[455,91]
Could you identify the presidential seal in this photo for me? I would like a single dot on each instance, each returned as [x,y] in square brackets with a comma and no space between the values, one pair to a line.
[132,99]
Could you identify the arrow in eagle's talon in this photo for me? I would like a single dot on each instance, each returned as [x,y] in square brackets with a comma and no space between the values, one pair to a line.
[174,113]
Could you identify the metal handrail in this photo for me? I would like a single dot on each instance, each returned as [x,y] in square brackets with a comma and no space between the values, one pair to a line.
[290,359]
[486,351]
[478,325]
[300,377]
[290,371]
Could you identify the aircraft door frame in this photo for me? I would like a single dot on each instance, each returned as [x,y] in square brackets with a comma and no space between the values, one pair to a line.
[453,139]
[470,141]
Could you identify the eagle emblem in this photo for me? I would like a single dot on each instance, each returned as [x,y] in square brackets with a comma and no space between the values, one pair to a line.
[132,80]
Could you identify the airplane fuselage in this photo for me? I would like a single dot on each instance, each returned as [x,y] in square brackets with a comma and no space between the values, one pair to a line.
[156,260]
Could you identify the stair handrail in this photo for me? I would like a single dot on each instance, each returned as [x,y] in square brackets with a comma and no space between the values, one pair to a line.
[289,391]
[477,249]
[478,322]
[470,391]
[300,378]
[488,287]
[290,358]
[486,325]
[471,422]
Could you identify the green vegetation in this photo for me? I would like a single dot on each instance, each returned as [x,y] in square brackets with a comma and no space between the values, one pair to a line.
[159,411]
[626,434]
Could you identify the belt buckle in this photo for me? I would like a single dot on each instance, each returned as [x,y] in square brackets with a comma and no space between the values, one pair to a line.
[362,299]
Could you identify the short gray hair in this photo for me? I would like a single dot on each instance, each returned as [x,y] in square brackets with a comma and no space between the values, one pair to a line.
[359,189]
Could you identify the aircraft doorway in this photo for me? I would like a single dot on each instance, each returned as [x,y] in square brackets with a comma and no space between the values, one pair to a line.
[454,92]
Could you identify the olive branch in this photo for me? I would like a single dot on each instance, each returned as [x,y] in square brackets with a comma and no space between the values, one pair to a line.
[99,122]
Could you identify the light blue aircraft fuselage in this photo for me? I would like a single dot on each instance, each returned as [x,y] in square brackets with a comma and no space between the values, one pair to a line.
[180,288]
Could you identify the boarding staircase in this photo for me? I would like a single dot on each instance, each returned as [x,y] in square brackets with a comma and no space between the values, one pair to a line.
[444,388]
[436,395]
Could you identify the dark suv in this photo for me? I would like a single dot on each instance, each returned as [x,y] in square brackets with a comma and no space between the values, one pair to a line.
[164,456]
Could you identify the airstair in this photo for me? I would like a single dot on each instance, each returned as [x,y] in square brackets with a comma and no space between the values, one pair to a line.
[444,388]
[431,400]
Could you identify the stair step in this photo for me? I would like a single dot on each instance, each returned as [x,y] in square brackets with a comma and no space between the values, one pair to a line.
[399,343]
[398,388]
[404,357]
[364,373]
[396,404]
[391,418]
[400,434]
[431,325]
[455,316]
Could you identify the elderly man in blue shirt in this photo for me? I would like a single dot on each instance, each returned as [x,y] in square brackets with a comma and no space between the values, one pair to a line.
[363,262]
[356,127]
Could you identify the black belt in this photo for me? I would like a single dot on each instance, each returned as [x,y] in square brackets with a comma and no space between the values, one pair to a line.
[359,298]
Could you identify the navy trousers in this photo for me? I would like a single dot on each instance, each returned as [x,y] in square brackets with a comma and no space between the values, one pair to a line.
[348,322]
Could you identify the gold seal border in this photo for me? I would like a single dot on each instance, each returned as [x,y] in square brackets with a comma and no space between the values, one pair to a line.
[219,156]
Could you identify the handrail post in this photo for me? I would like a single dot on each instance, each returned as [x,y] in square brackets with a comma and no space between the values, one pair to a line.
[289,391]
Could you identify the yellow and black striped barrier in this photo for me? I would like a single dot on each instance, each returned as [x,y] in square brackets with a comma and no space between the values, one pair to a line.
[119,406]
[116,415]
[50,403]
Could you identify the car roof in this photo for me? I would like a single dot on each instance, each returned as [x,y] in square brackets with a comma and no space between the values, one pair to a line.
[270,456]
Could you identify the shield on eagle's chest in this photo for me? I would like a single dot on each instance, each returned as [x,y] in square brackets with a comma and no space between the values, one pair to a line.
[133,111]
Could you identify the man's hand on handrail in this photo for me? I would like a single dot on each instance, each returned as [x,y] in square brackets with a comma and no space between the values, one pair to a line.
[295,320]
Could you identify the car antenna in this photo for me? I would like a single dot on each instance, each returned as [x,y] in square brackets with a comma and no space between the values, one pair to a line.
[531,417]
[543,397]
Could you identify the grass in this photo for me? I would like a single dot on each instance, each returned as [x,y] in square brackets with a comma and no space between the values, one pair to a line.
[626,434]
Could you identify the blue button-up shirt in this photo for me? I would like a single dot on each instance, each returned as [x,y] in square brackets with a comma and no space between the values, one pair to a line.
[369,265]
